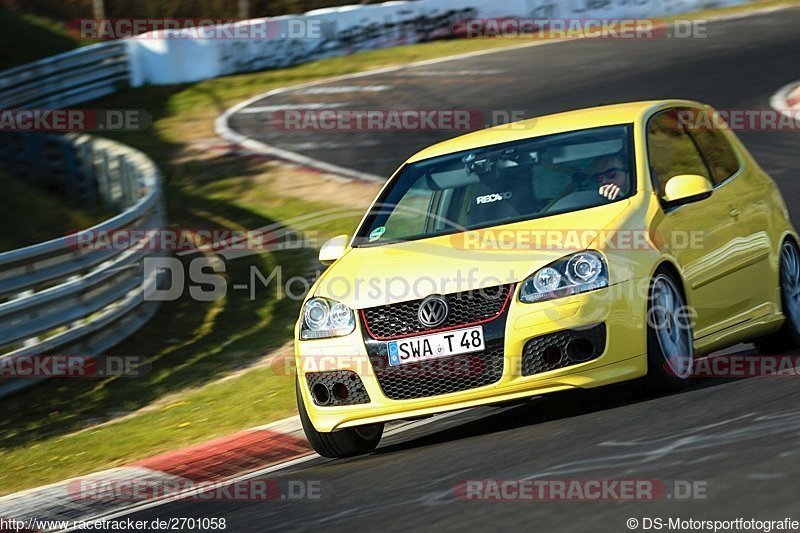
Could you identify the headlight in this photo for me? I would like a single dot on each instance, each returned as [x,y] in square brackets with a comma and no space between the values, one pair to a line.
[581,272]
[323,318]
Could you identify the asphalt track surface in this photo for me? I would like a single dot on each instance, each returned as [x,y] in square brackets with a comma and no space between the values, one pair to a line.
[741,438]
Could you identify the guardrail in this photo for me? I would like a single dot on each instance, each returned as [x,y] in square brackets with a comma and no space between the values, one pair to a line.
[66,79]
[61,298]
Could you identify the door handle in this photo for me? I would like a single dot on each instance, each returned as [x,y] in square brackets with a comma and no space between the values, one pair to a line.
[735,212]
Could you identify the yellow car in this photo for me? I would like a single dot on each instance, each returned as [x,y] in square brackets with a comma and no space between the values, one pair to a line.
[568,251]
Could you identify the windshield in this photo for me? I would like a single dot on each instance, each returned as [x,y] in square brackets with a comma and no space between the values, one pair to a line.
[503,183]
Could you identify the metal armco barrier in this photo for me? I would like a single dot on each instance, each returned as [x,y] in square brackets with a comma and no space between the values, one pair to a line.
[58,297]
[66,79]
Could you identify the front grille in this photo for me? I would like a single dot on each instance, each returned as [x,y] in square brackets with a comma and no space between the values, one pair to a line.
[469,307]
[439,376]
[549,352]
[356,394]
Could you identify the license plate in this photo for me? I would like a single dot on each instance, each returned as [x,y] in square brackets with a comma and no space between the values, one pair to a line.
[426,347]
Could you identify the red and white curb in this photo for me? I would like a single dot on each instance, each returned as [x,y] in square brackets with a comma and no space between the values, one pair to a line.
[193,469]
[235,458]
[787,100]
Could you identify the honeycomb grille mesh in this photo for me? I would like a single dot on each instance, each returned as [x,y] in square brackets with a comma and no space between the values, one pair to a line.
[549,352]
[396,320]
[440,376]
[356,394]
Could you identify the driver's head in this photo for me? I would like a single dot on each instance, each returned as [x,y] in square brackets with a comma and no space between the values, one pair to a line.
[611,169]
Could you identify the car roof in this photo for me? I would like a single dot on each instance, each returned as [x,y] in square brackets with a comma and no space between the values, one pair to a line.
[592,117]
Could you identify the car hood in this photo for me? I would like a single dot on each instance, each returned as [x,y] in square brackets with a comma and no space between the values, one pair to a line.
[378,275]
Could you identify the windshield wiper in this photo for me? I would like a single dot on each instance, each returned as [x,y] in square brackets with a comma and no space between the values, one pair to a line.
[378,243]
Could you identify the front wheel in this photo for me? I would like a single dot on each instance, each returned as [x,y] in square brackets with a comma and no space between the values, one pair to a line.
[342,443]
[789,335]
[670,340]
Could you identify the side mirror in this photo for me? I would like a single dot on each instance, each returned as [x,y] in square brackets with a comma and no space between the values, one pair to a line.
[687,188]
[333,249]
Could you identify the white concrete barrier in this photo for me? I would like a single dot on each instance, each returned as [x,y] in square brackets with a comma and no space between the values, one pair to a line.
[162,58]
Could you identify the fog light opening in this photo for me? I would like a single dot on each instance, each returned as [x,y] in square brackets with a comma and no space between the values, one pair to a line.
[580,349]
[321,394]
[551,355]
[340,391]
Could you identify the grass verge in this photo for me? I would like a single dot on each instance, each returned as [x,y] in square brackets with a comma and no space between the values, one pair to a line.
[24,214]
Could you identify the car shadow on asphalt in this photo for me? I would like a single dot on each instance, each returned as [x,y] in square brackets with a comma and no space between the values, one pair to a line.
[556,406]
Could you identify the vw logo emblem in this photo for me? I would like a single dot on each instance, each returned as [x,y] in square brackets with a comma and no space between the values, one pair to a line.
[433,311]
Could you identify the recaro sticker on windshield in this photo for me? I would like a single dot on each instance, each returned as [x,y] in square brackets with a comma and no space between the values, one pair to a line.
[377,233]
[494,197]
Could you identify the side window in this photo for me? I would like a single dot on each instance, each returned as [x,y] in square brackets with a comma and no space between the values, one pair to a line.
[671,150]
[714,145]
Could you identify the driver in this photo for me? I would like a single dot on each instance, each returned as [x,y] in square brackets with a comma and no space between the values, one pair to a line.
[611,176]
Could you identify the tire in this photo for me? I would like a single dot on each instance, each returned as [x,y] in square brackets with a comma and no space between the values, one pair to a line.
[670,339]
[788,336]
[342,443]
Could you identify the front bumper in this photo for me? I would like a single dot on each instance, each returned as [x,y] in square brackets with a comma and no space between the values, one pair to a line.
[617,308]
